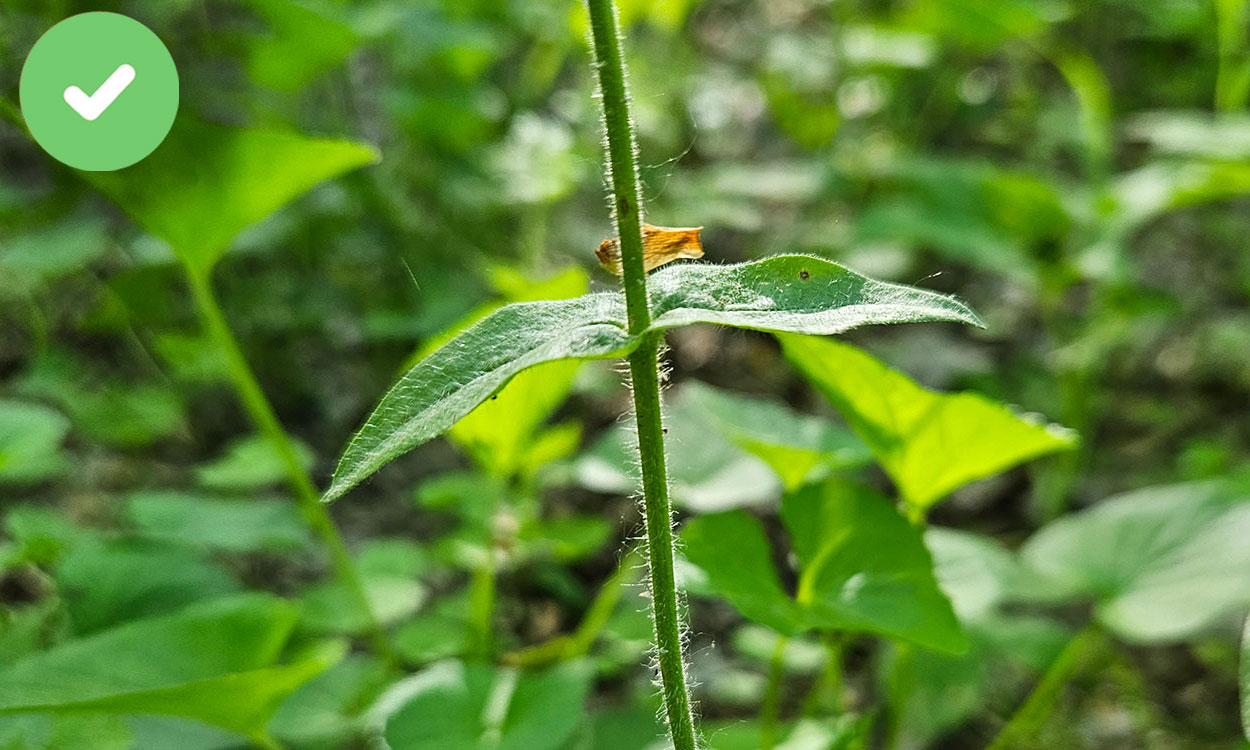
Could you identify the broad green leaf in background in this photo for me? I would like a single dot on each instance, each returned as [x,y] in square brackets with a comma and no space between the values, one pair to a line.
[732,549]
[929,443]
[863,567]
[297,46]
[476,706]
[30,442]
[1161,564]
[979,575]
[213,662]
[390,569]
[326,712]
[231,525]
[798,447]
[707,472]
[102,406]
[784,293]
[50,251]
[250,463]
[968,211]
[207,183]
[69,732]
[106,583]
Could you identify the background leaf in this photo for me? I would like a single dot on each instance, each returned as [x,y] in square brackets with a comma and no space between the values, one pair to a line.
[1161,564]
[30,442]
[865,567]
[207,183]
[452,704]
[798,447]
[232,525]
[733,552]
[212,662]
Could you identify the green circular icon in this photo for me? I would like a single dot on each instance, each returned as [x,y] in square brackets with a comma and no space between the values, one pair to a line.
[99,91]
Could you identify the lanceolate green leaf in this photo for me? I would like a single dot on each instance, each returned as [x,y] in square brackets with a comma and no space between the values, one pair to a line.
[929,443]
[792,293]
[207,183]
[213,662]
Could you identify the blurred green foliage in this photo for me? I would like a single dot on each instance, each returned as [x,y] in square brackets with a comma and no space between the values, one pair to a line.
[365,178]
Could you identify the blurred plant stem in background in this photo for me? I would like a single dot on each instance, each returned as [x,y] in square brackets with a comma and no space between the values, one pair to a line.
[262,414]
[643,370]
[1232,86]
[1087,649]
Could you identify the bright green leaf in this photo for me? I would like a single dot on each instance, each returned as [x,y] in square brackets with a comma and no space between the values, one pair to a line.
[929,443]
[863,568]
[298,45]
[784,293]
[207,183]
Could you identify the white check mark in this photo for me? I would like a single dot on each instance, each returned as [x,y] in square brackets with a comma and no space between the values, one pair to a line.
[91,107]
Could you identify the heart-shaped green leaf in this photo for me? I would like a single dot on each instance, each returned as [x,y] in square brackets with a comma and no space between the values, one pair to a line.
[793,293]
[1161,564]
[929,443]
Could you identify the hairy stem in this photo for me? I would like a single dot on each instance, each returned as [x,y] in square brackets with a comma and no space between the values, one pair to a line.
[643,371]
[262,414]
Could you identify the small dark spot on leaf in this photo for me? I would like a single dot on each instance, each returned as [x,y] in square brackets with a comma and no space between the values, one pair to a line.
[804,275]
[665,430]
[492,398]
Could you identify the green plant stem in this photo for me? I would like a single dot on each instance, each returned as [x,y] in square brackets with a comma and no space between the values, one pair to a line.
[593,623]
[1232,83]
[262,414]
[770,711]
[482,608]
[643,371]
[1029,718]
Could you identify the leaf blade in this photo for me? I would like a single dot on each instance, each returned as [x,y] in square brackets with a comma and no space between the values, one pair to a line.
[786,293]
